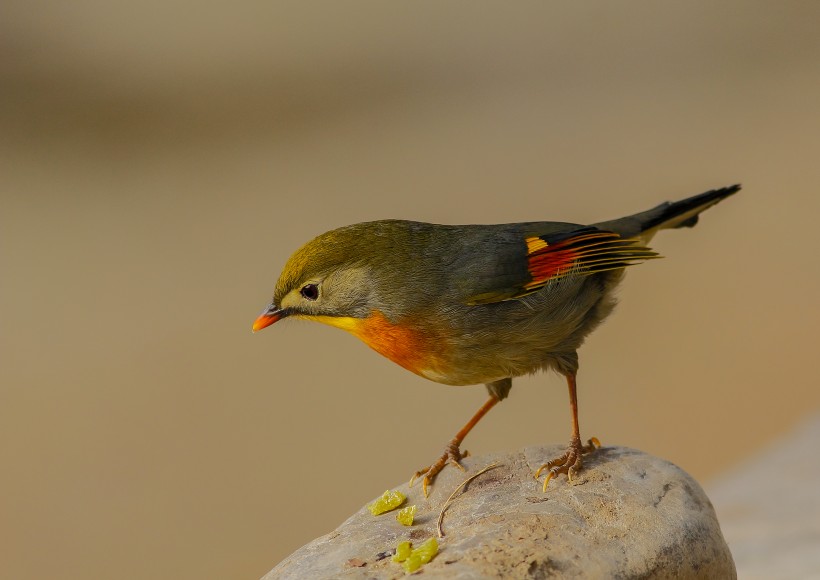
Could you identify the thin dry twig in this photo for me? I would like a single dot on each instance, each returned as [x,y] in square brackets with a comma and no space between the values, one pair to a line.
[455,491]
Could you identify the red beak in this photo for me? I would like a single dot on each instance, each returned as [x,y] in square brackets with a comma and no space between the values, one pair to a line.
[270,315]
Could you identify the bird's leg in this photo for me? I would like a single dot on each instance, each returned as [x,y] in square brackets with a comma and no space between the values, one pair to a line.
[570,462]
[452,453]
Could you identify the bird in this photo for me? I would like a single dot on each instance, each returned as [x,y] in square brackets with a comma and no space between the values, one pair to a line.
[476,304]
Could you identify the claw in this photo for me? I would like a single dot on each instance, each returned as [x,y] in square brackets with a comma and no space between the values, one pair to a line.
[570,462]
[451,455]
[425,482]
[547,481]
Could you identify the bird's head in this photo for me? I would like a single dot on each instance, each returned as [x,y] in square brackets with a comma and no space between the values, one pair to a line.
[329,280]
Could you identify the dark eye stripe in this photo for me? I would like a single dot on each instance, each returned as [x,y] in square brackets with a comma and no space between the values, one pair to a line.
[310,291]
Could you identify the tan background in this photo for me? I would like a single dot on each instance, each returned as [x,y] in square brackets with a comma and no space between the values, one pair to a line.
[161,161]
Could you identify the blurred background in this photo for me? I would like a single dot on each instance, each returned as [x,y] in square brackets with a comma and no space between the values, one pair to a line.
[161,160]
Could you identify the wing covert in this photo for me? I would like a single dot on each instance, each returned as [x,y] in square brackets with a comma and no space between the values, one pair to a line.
[580,252]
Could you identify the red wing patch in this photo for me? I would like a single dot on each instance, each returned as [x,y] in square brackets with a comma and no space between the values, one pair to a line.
[581,252]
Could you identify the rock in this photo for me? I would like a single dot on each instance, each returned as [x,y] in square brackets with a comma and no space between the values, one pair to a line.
[626,515]
[770,509]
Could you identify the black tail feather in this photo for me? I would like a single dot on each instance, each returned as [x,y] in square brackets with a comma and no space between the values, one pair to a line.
[669,210]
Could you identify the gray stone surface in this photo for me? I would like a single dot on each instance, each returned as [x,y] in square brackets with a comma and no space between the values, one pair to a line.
[627,515]
[769,508]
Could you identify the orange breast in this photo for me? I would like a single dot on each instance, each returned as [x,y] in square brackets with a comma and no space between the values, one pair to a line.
[404,345]
[417,350]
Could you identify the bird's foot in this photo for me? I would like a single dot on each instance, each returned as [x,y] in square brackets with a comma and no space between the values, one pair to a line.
[570,462]
[452,454]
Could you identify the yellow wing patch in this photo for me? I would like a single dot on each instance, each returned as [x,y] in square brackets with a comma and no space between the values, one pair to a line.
[534,244]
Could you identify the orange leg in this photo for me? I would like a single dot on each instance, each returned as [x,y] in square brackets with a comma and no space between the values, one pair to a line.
[452,453]
[570,462]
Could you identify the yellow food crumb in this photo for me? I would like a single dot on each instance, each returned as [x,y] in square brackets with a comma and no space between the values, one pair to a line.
[402,552]
[412,563]
[405,515]
[421,555]
[388,501]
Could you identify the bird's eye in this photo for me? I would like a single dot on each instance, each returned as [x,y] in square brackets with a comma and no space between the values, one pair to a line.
[310,291]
